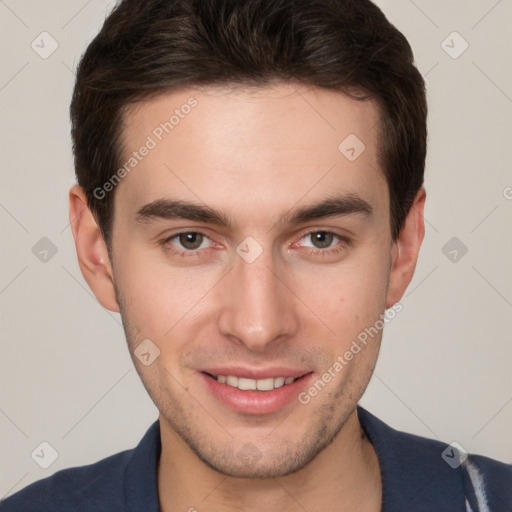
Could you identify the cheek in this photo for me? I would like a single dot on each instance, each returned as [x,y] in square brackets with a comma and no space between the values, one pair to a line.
[158,298]
[167,304]
[348,297]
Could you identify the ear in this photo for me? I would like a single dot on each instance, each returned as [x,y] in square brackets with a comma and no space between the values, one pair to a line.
[91,250]
[405,250]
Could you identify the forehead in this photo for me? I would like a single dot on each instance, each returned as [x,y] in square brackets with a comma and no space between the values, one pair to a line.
[229,146]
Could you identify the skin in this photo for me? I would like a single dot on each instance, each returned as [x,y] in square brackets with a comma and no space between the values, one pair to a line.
[255,156]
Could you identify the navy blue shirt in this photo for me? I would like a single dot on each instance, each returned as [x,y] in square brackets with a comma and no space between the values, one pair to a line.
[418,475]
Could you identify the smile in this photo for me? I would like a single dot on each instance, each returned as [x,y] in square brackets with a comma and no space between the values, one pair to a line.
[254,384]
[269,392]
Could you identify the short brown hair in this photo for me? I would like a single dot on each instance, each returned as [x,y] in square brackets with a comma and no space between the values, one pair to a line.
[152,46]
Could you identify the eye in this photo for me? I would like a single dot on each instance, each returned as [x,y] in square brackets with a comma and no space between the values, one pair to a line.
[320,239]
[189,240]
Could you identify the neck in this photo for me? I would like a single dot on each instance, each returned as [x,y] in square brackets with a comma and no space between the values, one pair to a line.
[345,476]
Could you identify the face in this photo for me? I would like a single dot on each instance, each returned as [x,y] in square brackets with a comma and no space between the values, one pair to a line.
[251,251]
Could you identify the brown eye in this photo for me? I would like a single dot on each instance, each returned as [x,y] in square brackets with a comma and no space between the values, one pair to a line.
[191,240]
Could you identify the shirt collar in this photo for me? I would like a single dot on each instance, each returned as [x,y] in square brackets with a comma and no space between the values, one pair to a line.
[141,489]
[414,476]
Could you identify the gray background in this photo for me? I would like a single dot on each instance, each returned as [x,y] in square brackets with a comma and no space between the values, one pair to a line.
[444,370]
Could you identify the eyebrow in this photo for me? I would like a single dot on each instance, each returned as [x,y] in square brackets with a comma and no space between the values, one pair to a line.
[169,209]
[349,204]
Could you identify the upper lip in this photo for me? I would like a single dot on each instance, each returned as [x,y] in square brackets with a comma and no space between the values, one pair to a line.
[257,373]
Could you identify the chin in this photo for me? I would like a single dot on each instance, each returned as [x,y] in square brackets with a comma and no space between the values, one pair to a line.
[254,470]
[278,459]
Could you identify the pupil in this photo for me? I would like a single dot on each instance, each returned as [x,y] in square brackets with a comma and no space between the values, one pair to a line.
[322,239]
[191,240]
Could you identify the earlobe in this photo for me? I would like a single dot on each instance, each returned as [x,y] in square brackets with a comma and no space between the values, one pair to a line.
[406,249]
[91,250]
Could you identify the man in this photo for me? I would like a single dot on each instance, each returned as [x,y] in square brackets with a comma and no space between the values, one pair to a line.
[250,200]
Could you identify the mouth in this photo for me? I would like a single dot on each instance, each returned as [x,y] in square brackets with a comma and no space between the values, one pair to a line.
[255,392]
[246,384]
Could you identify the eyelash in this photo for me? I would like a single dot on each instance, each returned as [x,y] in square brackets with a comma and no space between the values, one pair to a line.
[166,242]
[343,243]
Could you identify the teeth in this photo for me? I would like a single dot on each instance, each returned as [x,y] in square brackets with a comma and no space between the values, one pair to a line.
[279,381]
[254,384]
[232,381]
[246,384]
[265,384]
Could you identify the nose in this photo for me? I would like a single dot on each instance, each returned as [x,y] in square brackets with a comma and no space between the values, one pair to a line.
[258,307]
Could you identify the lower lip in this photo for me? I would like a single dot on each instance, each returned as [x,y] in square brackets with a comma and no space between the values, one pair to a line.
[256,402]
